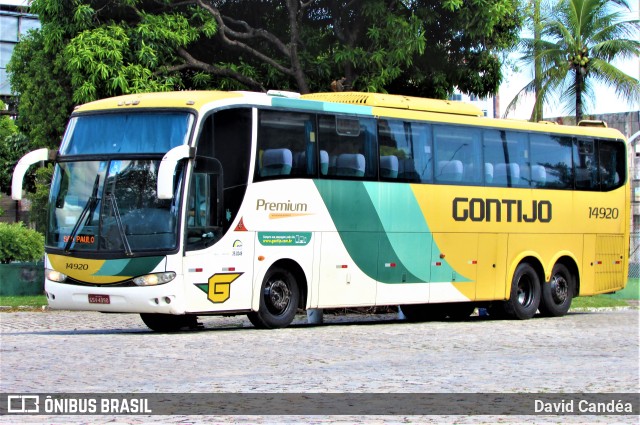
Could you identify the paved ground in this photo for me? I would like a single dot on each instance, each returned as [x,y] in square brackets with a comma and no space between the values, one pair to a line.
[84,352]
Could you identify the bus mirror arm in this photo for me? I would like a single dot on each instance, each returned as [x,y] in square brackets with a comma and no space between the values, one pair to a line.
[23,165]
[168,167]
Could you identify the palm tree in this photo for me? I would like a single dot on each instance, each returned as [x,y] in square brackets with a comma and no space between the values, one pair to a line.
[579,40]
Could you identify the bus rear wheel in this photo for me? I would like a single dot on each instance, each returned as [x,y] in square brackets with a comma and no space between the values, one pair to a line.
[557,293]
[525,293]
[168,322]
[279,296]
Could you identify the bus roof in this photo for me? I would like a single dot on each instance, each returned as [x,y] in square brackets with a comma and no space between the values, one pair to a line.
[436,110]
[398,102]
[384,105]
[181,99]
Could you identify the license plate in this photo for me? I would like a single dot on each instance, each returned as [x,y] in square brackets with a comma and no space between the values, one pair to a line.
[99,299]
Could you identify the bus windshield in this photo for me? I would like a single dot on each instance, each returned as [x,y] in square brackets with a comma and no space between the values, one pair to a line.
[110,206]
[103,195]
[130,133]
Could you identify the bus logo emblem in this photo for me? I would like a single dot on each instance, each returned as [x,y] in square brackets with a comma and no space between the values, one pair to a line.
[218,288]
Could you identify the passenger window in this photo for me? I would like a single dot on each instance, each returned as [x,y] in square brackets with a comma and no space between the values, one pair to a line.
[396,156]
[613,164]
[506,159]
[553,153]
[421,167]
[286,145]
[458,155]
[347,146]
[586,165]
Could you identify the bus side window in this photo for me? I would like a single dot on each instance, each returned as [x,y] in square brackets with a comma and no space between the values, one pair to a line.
[586,165]
[458,154]
[286,145]
[203,215]
[347,146]
[420,166]
[506,159]
[612,164]
[395,147]
[554,153]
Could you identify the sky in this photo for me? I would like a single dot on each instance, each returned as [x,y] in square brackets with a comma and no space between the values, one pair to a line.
[605,100]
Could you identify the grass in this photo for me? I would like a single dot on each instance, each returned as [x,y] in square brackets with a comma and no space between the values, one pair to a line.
[630,292]
[597,301]
[30,302]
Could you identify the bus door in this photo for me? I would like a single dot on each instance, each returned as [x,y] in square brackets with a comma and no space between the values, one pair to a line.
[213,268]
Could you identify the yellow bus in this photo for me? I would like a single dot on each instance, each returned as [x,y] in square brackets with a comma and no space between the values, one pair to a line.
[178,205]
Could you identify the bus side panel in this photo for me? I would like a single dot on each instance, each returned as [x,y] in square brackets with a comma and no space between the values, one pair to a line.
[604,220]
[492,259]
[603,265]
[343,282]
[609,264]
[587,277]
[400,280]
[454,259]
[220,277]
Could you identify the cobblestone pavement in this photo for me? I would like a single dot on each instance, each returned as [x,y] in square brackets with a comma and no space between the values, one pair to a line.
[85,352]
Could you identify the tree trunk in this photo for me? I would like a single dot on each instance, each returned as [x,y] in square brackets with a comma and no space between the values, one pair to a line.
[537,114]
[296,67]
[579,87]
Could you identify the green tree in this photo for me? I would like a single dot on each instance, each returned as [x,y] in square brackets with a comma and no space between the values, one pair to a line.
[40,198]
[89,49]
[12,146]
[39,78]
[579,41]
[464,42]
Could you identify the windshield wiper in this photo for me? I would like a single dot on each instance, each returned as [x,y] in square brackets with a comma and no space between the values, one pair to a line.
[89,209]
[116,214]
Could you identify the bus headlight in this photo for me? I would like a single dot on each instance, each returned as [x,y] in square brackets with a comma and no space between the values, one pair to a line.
[54,275]
[154,279]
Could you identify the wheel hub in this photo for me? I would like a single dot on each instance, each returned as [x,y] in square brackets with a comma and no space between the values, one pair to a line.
[559,289]
[277,295]
[525,292]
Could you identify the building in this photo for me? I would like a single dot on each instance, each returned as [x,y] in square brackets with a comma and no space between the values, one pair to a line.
[15,21]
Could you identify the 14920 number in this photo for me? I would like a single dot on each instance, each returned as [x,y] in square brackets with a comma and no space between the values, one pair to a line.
[604,213]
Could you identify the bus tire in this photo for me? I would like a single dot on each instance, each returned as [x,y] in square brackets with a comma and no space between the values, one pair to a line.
[525,293]
[557,293]
[169,322]
[279,296]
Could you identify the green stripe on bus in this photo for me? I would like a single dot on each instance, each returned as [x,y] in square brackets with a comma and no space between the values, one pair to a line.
[338,108]
[351,207]
[129,267]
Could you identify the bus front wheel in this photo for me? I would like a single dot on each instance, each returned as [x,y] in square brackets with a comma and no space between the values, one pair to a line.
[279,297]
[557,293]
[525,293]
[168,322]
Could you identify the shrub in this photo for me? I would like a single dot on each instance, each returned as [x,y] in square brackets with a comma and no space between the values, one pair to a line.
[19,243]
